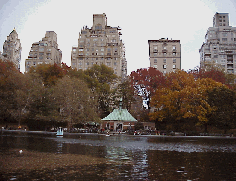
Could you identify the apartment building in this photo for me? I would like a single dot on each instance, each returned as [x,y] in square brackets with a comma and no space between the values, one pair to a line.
[165,55]
[45,51]
[12,49]
[219,48]
[100,44]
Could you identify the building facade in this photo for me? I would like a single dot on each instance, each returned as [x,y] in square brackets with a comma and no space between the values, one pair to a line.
[165,55]
[219,48]
[12,49]
[45,51]
[100,44]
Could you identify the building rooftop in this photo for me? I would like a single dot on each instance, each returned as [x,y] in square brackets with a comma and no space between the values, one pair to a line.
[120,115]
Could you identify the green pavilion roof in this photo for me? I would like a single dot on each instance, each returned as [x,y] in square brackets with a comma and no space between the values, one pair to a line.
[119,115]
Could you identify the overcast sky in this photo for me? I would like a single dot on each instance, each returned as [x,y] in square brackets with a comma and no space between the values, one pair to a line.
[184,20]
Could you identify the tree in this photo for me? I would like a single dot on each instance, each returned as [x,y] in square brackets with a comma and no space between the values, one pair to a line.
[74,101]
[101,80]
[223,101]
[146,81]
[39,102]
[12,86]
[183,101]
[126,92]
[49,73]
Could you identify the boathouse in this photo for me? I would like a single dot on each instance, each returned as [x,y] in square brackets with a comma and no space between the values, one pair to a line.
[119,120]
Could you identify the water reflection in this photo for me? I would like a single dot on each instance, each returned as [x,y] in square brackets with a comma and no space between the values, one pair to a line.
[136,157]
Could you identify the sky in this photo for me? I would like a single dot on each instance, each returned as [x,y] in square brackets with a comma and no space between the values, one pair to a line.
[184,20]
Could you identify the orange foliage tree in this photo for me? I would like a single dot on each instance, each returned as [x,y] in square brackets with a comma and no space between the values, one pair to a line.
[182,102]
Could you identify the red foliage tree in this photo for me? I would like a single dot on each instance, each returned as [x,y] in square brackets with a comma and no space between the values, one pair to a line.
[145,81]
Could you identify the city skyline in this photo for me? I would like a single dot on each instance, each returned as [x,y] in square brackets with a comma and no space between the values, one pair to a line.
[145,22]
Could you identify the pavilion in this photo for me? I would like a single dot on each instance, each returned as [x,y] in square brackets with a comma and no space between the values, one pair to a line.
[119,120]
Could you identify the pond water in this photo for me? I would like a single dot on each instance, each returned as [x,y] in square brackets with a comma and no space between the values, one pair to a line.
[131,157]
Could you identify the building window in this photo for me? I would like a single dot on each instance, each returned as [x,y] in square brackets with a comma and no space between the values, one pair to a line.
[174,66]
[164,60]
[174,60]
[155,60]
[87,63]
[224,39]
[174,54]
[224,34]
[155,54]
[164,66]
[174,47]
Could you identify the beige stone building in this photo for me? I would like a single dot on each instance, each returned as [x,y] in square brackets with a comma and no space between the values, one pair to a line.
[219,48]
[12,49]
[165,55]
[45,51]
[100,44]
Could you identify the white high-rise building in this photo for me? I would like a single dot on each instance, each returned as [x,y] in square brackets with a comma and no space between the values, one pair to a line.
[100,44]
[44,51]
[219,48]
[165,55]
[12,49]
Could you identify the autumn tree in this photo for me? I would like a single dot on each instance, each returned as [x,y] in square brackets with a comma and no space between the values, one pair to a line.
[49,73]
[146,81]
[12,92]
[183,101]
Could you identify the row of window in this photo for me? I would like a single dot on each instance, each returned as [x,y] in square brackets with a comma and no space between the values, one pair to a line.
[101,54]
[164,66]
[164,47]
[80,58]
[115,50]
[164,60]
[165,54]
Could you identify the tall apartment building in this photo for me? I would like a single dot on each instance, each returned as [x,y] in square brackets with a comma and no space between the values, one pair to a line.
[165,55]
[100,44]
[12,49]
[219,47]
[45,51]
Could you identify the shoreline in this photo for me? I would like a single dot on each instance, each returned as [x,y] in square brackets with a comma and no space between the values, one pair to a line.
[116,134]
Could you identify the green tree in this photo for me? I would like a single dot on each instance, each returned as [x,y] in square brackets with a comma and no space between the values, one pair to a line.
[102,80]
[223,100]
[126,92]
[74,101]
[40,104]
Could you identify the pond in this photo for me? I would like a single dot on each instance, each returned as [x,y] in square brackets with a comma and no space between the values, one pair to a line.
[119,157]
